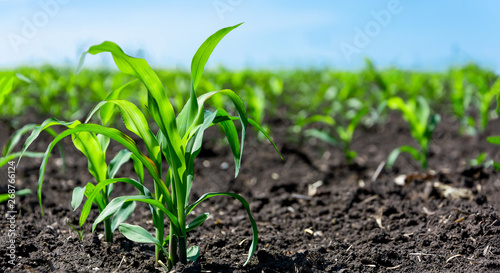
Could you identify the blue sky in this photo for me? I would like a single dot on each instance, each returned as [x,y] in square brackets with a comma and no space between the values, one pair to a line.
[408,34]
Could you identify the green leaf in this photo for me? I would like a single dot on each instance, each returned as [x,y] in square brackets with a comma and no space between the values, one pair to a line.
[193,253]
[137,234]
[403,149]
[232,138]
[122,214]
[16,137]
[431,126]
[408,114]
[138,168]
[5,159]
[107,111]
[140,235]
[323,136]
[76,200]
[193,149]
[203,53]
[121,158]
[110,132]
[6,196]
[316,118]
[245,204]
[159,106]
[188,117]
[117,203]
[97,189]
[256,125]
[88,144]
[494,140]
[79,232]
[198,221]
[103,142]
[44,126]
[354,122]
[495,89]
[6,86]
[135,121]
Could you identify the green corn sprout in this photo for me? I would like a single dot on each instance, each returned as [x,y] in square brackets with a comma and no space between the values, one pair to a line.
[175,145]
[7,196]
[8,154]
[485,97]
[342,134]
[481,160]
[496,139]
[422,123]
[461,98]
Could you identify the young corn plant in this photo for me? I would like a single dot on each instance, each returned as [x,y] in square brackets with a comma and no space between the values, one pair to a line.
[496,139]
[461,98]
[8,154]
[342,134]
[485,97]
[417,113]
[175,145]
[94,147]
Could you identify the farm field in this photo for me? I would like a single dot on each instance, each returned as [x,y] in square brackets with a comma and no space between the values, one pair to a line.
[382,171]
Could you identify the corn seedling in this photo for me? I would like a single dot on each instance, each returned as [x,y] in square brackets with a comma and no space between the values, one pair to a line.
[342,134]
[496,139]
[485,97]
[481,160]
[7,196]
[461,98]
[8,154]
[422,124]
[176,143]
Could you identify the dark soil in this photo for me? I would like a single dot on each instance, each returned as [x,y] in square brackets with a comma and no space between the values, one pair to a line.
[349,222]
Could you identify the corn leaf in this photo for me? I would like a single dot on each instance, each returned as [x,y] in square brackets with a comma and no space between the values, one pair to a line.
[5,159]
[159,106]
[122,214]
[107,111]
[6,196]
[193,253]
[16,137]
[494,140]
[403,149]
[135,122]
[101,185]
[114,165]
[44,126]
[117,203]
[245,204]
[198,221]
[140,235]
[323,136]
[110,132]
[188,115]
[6,86]
[77,197]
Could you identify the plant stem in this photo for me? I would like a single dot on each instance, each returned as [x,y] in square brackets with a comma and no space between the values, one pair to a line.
[108,234]
[181,216]
[172,247]
[182,250]
[160,226]
[159,234]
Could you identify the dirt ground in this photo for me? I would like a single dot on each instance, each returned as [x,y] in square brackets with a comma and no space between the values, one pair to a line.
[314,213]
